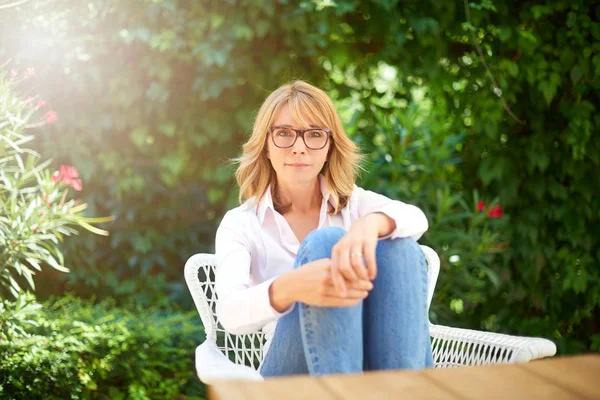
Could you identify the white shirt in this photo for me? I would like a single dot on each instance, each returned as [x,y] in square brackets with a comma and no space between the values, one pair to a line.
[254,244]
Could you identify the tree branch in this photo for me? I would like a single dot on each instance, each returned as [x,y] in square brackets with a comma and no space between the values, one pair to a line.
[474,39]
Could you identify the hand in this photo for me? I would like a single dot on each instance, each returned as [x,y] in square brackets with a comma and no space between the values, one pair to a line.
[360,241]
[312,284]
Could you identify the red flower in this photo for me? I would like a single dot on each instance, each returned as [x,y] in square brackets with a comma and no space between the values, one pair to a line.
[480,206]
[68,175]
[495,212]
[77,185]
[51,116]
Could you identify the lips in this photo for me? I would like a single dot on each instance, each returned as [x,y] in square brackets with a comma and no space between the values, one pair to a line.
[297,165]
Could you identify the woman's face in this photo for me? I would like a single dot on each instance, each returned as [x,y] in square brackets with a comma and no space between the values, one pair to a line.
[296,164]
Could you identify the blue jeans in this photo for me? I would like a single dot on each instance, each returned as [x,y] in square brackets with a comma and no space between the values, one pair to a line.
[387,330]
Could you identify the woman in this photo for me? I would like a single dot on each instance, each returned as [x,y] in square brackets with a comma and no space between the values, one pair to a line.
[331,272]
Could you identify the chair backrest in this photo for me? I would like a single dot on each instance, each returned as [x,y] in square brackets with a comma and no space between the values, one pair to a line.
[248,349]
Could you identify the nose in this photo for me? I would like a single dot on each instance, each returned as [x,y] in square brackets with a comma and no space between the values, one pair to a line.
[299,146]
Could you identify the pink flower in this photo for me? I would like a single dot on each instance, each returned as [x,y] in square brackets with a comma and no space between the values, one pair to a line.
[480,206]
[69,176]
[28,101]
[495,212]
[13,73]
[77,185]
[29,72]
[69,171]
[40,104]
[51,116]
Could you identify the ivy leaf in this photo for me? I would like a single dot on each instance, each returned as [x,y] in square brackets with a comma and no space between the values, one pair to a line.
[580,282]
[504,33]
[513,70]
[548,89]
[576,74]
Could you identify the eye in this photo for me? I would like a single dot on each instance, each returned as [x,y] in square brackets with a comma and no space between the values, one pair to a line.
[284,132]
[316,134]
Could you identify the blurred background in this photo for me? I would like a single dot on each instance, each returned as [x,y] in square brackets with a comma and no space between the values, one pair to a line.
[483,113]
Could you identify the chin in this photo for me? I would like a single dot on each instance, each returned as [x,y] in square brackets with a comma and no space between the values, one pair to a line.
[300,176]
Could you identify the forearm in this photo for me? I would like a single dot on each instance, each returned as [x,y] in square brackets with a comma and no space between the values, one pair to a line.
[385,225]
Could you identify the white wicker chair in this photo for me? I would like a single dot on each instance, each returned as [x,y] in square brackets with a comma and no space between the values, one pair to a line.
[226,356]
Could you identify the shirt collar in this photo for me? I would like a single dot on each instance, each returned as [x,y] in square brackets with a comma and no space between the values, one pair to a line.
[266,202]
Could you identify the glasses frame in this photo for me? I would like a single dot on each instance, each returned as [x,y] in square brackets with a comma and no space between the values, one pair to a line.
[299,132]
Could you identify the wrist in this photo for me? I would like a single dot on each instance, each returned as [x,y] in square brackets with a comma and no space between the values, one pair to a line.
[280,295]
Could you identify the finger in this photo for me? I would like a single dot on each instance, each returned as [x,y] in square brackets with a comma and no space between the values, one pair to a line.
[336,301]
[356,258]
[351,294]
[360,284]
[371,259]
[336,276]
[345,264]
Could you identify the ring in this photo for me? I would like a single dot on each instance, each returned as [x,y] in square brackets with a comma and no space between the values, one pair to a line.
[357,254]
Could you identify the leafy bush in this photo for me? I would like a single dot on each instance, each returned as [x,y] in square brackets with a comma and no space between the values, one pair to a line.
[35,212]
[522,81]
[412,159]
[151,140]
[78,349]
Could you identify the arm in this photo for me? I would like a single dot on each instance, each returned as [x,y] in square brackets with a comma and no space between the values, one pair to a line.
[242,306]
[408,220]
[280,293]
[311,284]
[385,225]
[378,218]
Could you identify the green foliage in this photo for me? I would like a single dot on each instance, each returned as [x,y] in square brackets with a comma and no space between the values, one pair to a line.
[70,348]
[34,211]
[411,158]
[156,96]
[503,95]
[527,105]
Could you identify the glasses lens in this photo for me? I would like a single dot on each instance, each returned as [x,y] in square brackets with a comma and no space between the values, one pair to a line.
[284,137]
[315,139]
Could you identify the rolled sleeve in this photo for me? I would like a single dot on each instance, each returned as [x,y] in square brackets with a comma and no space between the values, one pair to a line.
[246,310]
[410,220]
[242,306]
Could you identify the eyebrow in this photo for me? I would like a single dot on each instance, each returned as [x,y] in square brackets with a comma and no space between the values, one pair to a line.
[289,126]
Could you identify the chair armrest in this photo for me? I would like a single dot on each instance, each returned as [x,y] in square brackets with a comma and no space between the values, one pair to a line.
[212,365]
[461,347]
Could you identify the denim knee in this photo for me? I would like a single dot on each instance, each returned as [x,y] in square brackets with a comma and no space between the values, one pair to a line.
[329,233]
[399,245]
[318,243]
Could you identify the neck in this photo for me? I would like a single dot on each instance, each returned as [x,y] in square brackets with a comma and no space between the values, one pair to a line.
[303,197]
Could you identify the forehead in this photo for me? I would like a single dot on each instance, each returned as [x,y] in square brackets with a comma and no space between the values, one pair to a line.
[287,117]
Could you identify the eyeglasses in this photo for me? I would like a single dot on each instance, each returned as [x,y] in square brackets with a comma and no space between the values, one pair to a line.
[285,137]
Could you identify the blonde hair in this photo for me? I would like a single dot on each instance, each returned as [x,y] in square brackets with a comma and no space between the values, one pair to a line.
[308,104]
